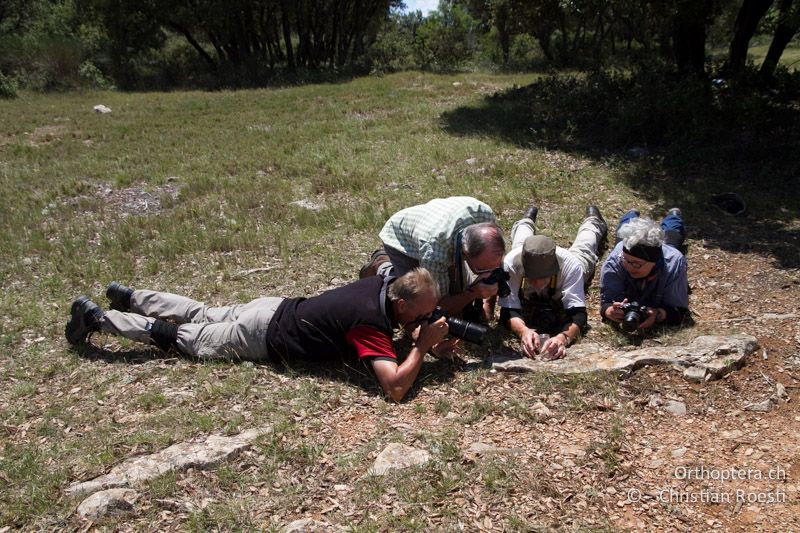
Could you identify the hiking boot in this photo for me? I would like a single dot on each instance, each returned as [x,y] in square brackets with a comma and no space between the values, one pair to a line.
[594,211]
[85,318]
[532,213]
[119,296]
[377,258]
[675,212]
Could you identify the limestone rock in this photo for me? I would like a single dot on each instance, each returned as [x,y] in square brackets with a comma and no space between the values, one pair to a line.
[542,410]
[309,525]
[138,470]
[696,374]
[712,355]
[478,449]
[307,204]
[398,456]
[761,407]
[108,503]
[676,408]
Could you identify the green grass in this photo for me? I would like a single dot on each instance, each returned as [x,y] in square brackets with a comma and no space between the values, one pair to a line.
[74,218]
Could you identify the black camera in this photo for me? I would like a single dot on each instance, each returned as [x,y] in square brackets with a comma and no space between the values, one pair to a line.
[500,277]
[463,329]
[635,314]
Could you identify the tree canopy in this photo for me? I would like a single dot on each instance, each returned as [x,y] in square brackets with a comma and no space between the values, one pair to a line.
[46,44]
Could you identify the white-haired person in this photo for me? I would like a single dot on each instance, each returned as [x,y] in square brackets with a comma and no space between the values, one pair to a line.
[647,267]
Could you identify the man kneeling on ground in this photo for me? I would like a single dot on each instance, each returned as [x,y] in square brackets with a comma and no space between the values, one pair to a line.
[356,319]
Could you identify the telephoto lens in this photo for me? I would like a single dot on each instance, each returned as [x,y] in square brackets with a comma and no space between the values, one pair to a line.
[469,331]
[463,329]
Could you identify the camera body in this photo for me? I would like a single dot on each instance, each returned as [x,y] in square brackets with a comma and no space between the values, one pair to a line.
[463,329]
[500,277]
[635,314]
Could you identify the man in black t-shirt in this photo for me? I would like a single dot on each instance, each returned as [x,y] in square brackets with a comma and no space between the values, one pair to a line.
[358,318]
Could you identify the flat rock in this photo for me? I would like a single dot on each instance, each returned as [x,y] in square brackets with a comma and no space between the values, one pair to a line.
[712,356]
[200,455]
[676,408]
[398,456]
[307,204]
[309,525]
[108,503]
[761,407]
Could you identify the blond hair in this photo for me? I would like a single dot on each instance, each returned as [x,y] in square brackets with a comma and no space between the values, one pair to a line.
[413,283]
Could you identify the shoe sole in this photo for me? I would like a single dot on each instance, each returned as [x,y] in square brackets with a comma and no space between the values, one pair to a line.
[76,329]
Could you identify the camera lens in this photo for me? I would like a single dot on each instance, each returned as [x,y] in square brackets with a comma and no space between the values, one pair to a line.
[468,331]
[631,321]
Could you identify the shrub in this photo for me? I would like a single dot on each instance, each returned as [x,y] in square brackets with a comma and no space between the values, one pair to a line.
[8,88]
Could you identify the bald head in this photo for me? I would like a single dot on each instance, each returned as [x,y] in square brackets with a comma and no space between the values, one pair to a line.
[481,238]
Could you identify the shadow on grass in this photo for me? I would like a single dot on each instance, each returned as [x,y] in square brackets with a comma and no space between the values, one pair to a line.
[675,142]
[346,372]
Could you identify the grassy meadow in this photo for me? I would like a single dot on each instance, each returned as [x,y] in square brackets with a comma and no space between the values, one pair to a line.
[194,193]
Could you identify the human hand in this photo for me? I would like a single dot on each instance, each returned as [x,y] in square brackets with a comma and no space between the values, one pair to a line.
[615,312]
[431,334]
[530,343]
[652,313]
[446,349]
[554,348]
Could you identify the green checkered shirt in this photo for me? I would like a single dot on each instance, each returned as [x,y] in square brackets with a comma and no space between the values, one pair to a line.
[428,232]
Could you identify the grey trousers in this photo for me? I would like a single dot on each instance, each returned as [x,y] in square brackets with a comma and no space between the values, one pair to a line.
[233,332]
[584,248]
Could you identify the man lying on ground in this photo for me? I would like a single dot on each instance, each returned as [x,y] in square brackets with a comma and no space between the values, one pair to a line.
[354,322]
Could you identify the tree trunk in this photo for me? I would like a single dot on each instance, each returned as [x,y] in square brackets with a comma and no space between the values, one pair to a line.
[788,24]
[750,14]
[689,36]
[287,35]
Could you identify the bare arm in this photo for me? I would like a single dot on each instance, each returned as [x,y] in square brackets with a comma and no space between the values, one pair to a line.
[397,379]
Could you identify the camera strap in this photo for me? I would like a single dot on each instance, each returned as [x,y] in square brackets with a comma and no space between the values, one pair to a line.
[382,298]
[551,286]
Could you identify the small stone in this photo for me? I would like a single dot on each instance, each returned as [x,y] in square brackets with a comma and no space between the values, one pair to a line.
[676,408]
[542,410]
[471,161]
[732,435]
[307,204]
[481,448]
[611,490]
[100,108]
[760,407]
[748,452]
[678,452]
[655,401]
[398,456]
[696,374]
[780,391]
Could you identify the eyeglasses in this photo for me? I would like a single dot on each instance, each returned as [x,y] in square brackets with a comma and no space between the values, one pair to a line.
[636,265]
[478,271]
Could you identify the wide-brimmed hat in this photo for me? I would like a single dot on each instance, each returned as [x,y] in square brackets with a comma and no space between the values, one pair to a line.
[539,257]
